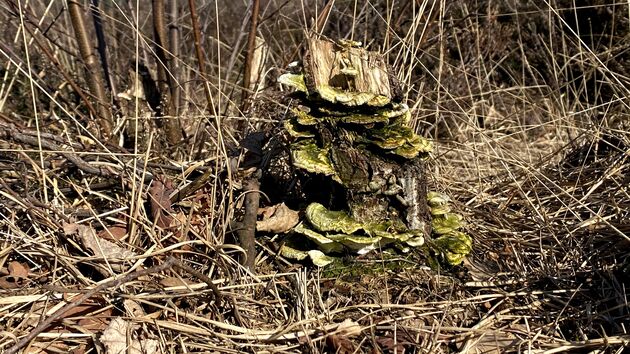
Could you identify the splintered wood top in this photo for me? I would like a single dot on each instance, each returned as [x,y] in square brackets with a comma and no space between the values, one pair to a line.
[327,60]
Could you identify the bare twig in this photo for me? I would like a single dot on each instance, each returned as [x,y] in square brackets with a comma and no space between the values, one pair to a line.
[173,61]
[322,18]
[199,49]
[159,32]
[33,139]
[55,61]
[218,297]
[251,47]
[97,18]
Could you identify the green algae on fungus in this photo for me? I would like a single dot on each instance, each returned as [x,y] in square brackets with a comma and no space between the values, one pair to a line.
[296,130]
[454,246]
[334,94]
[357,118]
[382,233]
[308,156]
[304,118]
[384,230]
[440,210]
[446,223]
[438,203]
[326,244]
[350,98]
[293,80]
[415,148]
[383,115]
[326,220]
[355,243]
[399,140]
[437,199]
[390,136]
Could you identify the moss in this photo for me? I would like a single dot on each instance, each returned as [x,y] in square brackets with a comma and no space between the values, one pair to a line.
[349,269]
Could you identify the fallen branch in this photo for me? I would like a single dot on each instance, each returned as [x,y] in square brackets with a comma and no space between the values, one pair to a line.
[46,141]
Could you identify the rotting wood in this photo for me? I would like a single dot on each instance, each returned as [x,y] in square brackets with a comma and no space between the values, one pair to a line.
[345,66]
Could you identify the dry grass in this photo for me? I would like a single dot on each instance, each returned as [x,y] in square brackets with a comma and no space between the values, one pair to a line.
[527,104]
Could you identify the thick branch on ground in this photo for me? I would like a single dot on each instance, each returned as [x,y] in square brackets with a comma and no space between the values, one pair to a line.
[46,142]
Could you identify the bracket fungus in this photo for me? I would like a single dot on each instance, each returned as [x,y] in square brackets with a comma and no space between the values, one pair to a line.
[351,127]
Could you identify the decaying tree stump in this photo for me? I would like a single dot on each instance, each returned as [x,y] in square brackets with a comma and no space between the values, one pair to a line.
[347,158]
[359,165]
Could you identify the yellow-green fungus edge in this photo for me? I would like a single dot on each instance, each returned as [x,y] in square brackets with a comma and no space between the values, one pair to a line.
[350,98]
[453,245]
[303,117]
[317,257]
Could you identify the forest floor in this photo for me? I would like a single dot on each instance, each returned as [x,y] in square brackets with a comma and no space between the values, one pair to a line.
[117,234]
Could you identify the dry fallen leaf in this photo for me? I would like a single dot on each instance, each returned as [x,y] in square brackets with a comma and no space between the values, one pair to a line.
[161,207]
[8,282]
[114,339]
[114,232]
[18,270]
[339,344]
[340,341]
[99,246]
[348,328]
[95,323]
[389,345]
[277,219]
[133,308]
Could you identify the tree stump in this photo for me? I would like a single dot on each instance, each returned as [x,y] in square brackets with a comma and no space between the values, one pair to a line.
[360,167]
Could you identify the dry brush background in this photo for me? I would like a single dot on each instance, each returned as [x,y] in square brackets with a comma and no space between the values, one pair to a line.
[103,129]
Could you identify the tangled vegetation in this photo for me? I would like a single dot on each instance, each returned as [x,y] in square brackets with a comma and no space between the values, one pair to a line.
[151,177]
